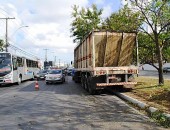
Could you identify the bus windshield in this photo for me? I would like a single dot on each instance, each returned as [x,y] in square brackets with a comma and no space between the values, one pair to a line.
[5,64]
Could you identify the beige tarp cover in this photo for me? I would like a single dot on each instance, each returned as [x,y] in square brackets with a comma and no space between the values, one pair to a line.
[113,49]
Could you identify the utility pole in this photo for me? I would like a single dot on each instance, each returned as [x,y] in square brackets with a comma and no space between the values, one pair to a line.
[59,63]
[55,60]
[46,54]
[6,36]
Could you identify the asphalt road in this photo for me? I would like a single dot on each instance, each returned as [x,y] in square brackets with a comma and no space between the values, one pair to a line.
[66,107]
[153,74]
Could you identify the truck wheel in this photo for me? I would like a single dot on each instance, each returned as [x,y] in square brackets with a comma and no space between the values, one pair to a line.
[82,81]
[90,86]
[85,84]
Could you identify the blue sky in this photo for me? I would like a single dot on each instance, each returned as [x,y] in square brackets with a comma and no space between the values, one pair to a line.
[49,24]
[113,4]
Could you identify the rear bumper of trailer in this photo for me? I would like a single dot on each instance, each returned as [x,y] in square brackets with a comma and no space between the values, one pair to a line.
[114,84]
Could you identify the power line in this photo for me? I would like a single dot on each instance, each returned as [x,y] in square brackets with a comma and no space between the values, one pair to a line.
[23,51]
[26,33]
[29,36]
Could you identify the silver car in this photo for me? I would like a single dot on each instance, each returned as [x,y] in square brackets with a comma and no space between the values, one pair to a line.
[54,76]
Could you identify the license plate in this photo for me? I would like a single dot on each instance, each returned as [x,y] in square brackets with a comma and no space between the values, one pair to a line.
[116,72]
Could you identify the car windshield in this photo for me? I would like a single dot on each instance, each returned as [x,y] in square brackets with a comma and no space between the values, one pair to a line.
[43,71]
[55,72]
[166,68]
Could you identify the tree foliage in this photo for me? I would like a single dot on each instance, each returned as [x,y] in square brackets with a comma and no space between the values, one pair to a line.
[156,14]
[124,20]
[1,45]
[147,49]
[84,21]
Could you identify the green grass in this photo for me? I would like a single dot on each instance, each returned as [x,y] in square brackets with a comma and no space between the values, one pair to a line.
[156,96]
[148,89]
[160,118]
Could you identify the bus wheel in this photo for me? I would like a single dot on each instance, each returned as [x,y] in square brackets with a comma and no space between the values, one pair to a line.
[33,77]
[19,80]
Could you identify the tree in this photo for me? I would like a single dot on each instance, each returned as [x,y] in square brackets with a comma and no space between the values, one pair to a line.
[84,21]
[124,20]
[147,50]
[156,14]
[1,45]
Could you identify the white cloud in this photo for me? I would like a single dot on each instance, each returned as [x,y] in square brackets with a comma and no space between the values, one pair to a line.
[107,10]
[49,24]
[124,2]
[48,21]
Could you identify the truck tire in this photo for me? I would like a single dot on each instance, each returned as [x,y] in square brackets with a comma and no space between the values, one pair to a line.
[82,81]
[85,83]
[90,86]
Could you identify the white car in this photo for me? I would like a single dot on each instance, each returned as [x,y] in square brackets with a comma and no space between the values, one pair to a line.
[54,76]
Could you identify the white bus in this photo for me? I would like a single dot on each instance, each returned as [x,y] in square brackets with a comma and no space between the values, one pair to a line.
[15,69]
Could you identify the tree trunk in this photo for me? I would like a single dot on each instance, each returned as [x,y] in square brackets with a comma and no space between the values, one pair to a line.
[159,54]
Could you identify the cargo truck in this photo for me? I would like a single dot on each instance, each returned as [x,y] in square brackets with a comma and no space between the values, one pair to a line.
[104,59]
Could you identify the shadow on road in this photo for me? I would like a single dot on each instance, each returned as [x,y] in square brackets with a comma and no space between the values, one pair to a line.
[67,88]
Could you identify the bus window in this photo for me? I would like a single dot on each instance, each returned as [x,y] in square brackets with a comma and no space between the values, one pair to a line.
[19,62]
[14,59]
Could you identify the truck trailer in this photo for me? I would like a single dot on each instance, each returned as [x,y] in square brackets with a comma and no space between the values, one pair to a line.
[104,59]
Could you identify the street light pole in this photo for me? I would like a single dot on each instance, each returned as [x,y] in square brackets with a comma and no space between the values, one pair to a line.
[18,29]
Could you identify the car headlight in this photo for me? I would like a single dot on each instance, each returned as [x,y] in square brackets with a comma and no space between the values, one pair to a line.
[59,76]
[8,76]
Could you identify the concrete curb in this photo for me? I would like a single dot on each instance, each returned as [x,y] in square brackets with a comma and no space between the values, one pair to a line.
[141,105]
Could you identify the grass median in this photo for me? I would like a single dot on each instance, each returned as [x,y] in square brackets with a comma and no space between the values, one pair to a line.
[150,92]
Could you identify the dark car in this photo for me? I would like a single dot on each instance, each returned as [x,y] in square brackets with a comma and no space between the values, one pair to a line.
[69,72]
[166,69]
[41,74]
